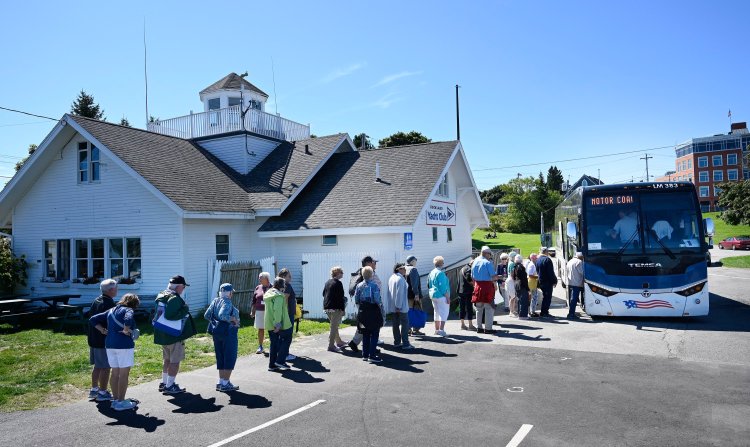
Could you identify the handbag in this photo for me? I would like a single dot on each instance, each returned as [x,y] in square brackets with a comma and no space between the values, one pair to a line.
[169,327]
[298,312]
[417,318]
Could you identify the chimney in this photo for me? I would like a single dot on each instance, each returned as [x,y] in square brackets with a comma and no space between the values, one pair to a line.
[739,128]
[377,172]
[307,150]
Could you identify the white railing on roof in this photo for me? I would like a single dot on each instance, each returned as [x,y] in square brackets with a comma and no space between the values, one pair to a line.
[227,120]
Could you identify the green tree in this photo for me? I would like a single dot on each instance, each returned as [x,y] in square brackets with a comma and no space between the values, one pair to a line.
[402,139]
[12,268]
[493,195]
[734,200]
[358,141]
[528,197]
[19,165]
[124,122]
[85,106]
[554,179]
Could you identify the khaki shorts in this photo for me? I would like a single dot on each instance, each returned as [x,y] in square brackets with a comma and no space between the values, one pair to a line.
[174,353]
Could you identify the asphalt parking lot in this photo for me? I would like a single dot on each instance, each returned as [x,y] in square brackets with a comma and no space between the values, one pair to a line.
[648,382]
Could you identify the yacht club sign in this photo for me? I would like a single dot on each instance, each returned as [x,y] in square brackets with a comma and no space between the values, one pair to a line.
[441,213]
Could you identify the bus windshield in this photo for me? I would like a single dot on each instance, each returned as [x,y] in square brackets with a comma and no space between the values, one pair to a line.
[635,223]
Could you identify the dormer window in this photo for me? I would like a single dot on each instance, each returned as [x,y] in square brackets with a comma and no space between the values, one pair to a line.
[235,102]
[89,168]
[214,104]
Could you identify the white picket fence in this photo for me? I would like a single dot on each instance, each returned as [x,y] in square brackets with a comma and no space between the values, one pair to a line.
[214,267]
[316,270]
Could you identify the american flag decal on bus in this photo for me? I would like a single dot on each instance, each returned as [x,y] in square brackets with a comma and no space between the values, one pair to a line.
[647,304]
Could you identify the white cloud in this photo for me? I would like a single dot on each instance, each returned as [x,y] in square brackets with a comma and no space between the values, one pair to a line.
[386,101]
[390,78]
[341,72]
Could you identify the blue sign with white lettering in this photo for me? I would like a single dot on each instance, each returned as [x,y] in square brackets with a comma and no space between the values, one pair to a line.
[408,241]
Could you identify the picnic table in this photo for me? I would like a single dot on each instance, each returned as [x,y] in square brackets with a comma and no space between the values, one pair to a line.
[12,309]
[53,301]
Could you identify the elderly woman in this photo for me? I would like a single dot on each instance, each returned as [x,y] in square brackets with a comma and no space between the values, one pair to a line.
[334,305]
[224,322]
[439,286]
[522,288]
[277,322]
[291,306]
[258,307]
[502,273]
[118,324]
[510,286]
[370,314]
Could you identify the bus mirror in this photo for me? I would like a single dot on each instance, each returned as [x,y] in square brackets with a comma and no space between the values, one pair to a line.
[708,225]
[571,230]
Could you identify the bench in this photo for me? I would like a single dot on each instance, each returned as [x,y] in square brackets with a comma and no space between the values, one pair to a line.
[14,318]
[72,314]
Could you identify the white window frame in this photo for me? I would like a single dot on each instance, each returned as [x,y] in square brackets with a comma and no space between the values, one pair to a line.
[714,158]
[57,260]
[329,244]
[703,161]
[126,276]
[703,191]
[228,254]
[729,162]
[443,190]
[729,175]
[92,166]
[703,177]
[107,259]
[717,190]
[718,173]
[690,163]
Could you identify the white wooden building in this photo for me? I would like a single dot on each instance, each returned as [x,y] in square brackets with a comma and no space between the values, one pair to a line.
[100,200]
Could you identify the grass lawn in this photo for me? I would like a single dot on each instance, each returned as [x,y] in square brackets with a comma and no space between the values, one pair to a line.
[742,262]
[724,230]
[40,367]
[528,243]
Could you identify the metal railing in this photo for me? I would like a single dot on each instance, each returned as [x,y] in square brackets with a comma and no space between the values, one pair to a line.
[227,120]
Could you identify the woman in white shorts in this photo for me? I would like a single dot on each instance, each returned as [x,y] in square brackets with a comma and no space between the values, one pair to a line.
[121,333]
[440,294]
[258,308]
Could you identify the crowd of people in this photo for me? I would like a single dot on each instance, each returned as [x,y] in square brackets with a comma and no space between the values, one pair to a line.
[518,282]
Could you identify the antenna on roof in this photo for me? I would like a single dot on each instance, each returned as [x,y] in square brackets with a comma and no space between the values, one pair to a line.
[275,97]
[243,110]
[145,71]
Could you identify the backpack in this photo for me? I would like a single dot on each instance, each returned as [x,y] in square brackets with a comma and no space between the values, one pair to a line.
[353,281]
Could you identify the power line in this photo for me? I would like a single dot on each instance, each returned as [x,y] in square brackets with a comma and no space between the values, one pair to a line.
[575,159]
[23,124]
[27,113]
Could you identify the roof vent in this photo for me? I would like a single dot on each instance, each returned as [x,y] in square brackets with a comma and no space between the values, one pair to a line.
[377,173]
[307,150]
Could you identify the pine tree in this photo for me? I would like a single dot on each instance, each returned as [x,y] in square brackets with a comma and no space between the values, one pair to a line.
[85,106]
[124,122]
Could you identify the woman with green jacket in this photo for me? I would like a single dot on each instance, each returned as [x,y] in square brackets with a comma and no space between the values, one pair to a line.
[276,321]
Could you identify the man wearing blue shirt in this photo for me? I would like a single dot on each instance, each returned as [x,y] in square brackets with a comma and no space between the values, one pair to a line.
[483,274]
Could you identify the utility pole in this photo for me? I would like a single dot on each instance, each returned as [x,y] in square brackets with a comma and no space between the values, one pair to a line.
[599,175]
[458,123]
[648,177]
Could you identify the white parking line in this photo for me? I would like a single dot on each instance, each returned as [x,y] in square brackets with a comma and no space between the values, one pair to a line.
[520,434]
[268,424]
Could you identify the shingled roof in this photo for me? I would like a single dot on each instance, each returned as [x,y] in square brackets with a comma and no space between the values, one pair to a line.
[344,192]
[197,181]
[232,81]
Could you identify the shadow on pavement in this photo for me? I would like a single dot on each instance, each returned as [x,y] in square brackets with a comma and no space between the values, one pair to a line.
[519,327]
[300,376]
[309,364]
[248,400]
[470,338]
[520,336]
[417,350]
[401,363]
[725,314]
[130,418]
[189,403]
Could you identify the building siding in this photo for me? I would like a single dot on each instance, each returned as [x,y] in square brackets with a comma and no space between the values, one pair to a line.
[58,207]
[231,150]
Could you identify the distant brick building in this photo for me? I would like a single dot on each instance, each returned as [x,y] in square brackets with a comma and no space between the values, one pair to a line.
[709,161]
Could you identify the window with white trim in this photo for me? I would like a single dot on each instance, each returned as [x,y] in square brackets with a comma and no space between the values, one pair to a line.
[89,255]
[434,234]
[449,234]
[124,259]
[702,162]
[703,191]
[703,176]
[89,166]
[330,239]
[443,188]
[716,160]
[718,176]
[717,191]
[222,247]
[731,159]
[732,174]
[56,260]
[690,163]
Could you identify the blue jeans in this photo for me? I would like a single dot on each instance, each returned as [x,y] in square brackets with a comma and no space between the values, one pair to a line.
[226,351]
[369,343]
[286,336]
[523,303]
[575,293]
[277,341]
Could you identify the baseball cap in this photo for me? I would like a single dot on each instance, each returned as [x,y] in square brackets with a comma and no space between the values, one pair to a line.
[178,280]
[486,248]
[367,260]
[226,287]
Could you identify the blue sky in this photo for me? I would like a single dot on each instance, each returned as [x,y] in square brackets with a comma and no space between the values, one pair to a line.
[541,81]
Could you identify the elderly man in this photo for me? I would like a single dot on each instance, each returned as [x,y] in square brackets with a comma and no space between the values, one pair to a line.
[399,305]
[415,288]
[97,351]
[575,282]
[483,274]
[547,280]
[533,284]
[174,307]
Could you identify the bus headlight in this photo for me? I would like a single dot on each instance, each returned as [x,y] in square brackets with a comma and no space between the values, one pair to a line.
[692,290]
[601,291]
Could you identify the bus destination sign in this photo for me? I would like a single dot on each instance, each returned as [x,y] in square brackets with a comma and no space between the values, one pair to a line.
[621,199]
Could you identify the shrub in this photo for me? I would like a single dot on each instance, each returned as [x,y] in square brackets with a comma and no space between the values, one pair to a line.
[12,268]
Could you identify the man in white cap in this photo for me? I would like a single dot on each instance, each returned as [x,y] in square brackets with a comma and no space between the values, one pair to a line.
[483,274]
[575,282]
